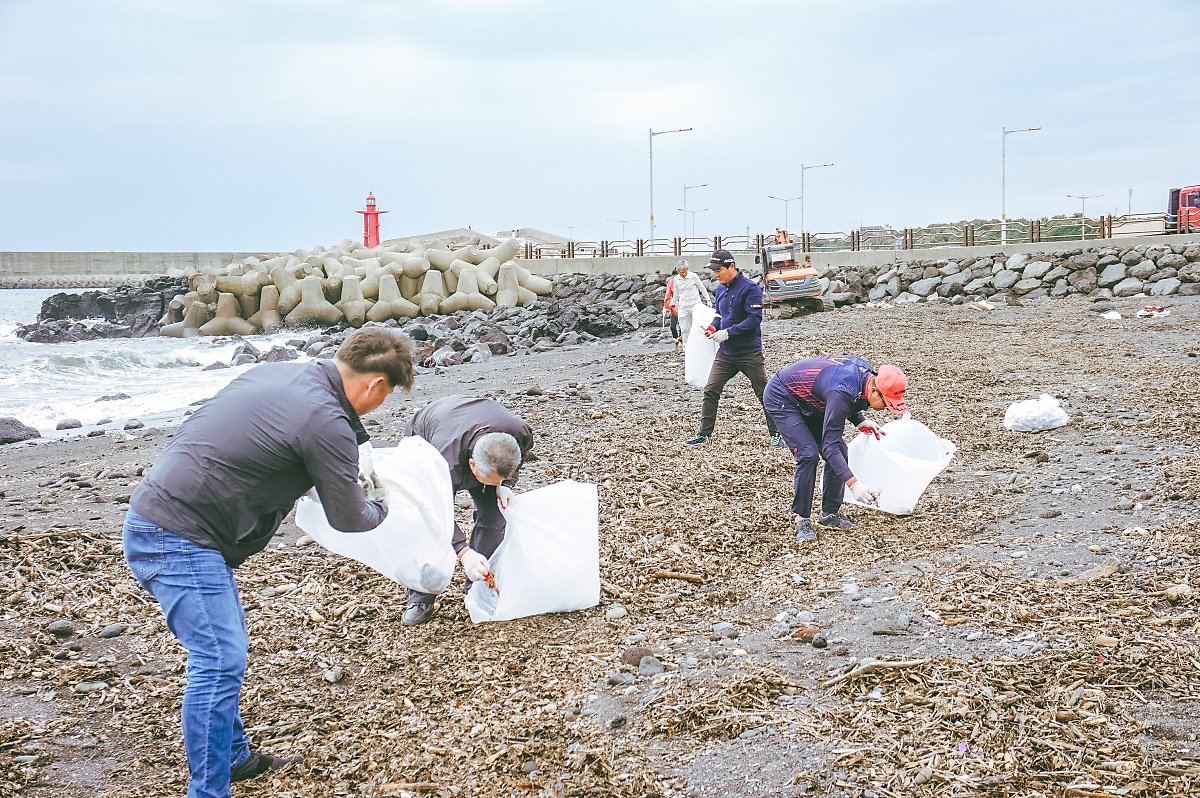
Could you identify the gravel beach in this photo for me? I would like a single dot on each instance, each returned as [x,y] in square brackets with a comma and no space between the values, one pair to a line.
[1030,630]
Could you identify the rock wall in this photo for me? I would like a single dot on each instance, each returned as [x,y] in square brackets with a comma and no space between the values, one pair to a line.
[1096,272]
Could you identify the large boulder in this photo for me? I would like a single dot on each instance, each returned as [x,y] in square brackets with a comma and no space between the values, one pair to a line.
[1112,274]
[1172,261]
[952,285]
[1086,259]
[1083,281]
[925,287]
[1026,286]
[1166,287]
[1017,262]
[1005,279]
[1127,287]
[13,431]
[1142,269]
[1036,269]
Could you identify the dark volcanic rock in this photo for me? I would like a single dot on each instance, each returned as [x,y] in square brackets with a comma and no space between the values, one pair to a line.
[69,423]
[131,311]
[13,431]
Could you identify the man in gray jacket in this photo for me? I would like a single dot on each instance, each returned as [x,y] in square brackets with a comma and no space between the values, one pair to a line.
[217,494]
[484,444]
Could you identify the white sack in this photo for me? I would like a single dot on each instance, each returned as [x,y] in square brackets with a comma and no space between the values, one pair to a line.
[550,558]
[900,465]
[1035,415]
[699,351]
[412,545]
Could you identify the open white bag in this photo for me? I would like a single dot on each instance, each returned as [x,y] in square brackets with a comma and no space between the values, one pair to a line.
[1035,415]
[412,545]
[900,465]
[699,351]
[550,558]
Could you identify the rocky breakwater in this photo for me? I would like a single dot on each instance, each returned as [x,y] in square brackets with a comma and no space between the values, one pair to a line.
[129,311]
[578,309]
[1097,272]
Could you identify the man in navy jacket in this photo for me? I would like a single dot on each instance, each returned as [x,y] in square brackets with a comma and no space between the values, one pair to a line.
[738,329]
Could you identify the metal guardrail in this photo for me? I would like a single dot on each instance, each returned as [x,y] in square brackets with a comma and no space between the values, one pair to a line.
[965,234]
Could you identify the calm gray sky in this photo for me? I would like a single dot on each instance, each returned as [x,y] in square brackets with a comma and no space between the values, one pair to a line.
[262,124]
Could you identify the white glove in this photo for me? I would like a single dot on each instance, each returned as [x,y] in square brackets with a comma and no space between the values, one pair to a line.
[863,494]
[504,495]
[721,336]
[372,487]
[475,565]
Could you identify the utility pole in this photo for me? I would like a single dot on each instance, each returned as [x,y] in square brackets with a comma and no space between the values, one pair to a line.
[1004,134]
[654,133]
[1083,198]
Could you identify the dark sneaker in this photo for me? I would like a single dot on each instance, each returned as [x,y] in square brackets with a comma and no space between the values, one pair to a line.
[804,530]
[776,441]
[417,614]
[836,522]
[259,764]
[696,441]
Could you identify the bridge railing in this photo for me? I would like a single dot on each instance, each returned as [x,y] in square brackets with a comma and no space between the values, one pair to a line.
[960,234]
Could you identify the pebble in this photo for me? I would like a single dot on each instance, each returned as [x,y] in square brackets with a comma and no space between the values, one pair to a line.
[334,674]
[923,775]
[617,679]
[133,423]
[806,617]
[724,629]
[61,628]
[114,630]
[304,540]
[618,722]
[1017,555]
[614,612]
[819,641]
[1053,512]
[976,635]
[25,759]
[635,655]
[90,687]
[529,766]
[1104,641]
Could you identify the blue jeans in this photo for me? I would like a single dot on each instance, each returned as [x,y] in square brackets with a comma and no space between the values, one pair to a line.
[199,599]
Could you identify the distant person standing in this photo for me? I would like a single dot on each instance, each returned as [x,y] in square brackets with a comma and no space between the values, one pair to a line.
[669,310]
[738,329]
[689,291]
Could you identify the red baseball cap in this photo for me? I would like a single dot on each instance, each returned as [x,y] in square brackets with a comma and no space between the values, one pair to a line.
[892,383]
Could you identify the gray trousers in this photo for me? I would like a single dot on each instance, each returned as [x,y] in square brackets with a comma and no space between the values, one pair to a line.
[486,536]
[725,368]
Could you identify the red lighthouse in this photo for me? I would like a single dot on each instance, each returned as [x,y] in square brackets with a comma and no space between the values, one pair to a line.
[370,222]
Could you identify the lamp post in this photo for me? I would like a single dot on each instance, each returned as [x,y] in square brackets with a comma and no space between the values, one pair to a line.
[785,201]
[1083,198]
[654,133]
[623,222]
[693,213]
[685,191]
[1004,134]
[804,168]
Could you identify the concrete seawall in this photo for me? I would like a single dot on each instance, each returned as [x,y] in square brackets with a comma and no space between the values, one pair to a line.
[104,269]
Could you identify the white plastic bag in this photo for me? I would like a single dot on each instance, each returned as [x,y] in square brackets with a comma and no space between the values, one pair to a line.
[412,545]
[699,351]
[550,558]
[1035,415]
[900,465]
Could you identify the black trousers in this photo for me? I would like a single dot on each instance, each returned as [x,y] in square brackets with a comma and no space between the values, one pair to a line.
[486,536]
[724,369]
[802,434]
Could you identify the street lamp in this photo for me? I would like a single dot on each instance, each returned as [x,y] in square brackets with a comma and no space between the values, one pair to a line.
[802,170]
[785,201]
[1004,133]
[623,222]
[654,133]
[1083,198]
[693,213]
[685,191]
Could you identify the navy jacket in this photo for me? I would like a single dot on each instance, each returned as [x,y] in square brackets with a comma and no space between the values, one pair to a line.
[739,312]
[829,387]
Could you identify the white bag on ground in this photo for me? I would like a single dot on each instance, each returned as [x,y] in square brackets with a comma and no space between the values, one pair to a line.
[550,558]
[900,465]
[412,545]
[699,351]
[1035,415]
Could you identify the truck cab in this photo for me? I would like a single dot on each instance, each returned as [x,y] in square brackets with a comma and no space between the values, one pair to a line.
[1183,209]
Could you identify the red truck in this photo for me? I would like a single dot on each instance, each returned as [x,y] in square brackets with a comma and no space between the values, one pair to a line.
[1183,209]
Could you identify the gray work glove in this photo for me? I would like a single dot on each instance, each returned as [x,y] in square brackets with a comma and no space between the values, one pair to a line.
[372,487]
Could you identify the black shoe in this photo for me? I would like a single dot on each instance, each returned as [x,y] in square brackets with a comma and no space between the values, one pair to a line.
[259,764]
[837,522]
[417,614]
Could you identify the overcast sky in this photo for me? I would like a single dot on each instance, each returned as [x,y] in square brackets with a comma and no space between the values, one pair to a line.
[262,124]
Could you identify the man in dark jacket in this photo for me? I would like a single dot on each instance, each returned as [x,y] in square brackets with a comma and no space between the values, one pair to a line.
[810,401]
[484,444]
[738,329]
[217,494]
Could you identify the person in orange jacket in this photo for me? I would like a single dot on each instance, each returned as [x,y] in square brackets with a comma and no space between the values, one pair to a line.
[669,305]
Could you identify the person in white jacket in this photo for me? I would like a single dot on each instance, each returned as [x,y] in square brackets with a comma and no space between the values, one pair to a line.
[689,292]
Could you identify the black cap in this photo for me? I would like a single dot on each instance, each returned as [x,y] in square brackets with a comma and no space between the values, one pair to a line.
[721,258]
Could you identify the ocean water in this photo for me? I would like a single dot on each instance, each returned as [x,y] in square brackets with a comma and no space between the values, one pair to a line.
[41,384]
